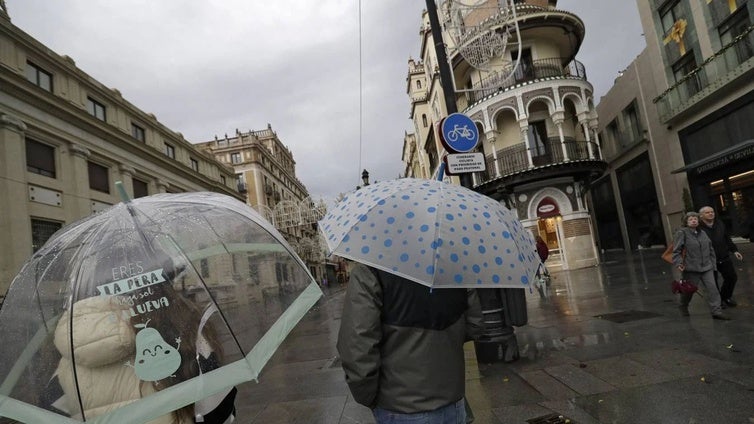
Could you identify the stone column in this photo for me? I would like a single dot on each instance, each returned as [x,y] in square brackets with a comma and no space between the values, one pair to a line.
[14,195]
[557,119]
[126,178]
[584,122]
[491,137]
[77,187]
[593,126]
[523,125]
[162,185]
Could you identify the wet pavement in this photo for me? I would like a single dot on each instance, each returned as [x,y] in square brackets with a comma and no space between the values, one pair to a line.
[608,345]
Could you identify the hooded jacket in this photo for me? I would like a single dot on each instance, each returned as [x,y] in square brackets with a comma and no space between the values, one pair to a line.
[104,345]
[699,256]
[103,341]
[401,344]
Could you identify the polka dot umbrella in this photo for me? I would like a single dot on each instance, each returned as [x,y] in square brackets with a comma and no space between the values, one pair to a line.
[437,234]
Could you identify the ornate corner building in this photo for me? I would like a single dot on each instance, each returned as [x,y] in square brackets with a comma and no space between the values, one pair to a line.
[65,139]
[536,119]
[266,175]
[677,124]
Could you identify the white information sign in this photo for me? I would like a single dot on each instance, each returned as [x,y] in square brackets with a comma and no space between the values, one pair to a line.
[459,163]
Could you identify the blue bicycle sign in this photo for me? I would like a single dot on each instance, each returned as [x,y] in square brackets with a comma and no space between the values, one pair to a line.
[459,133]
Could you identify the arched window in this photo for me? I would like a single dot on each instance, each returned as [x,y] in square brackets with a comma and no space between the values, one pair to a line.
[418,84]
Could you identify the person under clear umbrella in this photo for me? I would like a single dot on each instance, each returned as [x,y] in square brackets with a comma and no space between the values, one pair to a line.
[695,258]
[117,354]
[401,345]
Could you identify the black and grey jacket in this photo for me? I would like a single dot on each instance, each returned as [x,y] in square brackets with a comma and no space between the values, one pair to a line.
[401,343]
[721,240]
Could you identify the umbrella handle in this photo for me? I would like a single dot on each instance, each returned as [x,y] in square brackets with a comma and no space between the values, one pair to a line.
[122,192]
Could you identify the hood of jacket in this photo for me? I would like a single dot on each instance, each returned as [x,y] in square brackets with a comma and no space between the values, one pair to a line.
[102,334]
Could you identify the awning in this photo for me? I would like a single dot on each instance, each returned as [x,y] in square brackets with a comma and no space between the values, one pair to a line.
[735,153]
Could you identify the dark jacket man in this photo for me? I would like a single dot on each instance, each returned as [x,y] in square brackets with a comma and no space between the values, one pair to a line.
[723,246]
[401,343]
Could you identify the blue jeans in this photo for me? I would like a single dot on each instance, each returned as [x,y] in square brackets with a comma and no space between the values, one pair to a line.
[454,413]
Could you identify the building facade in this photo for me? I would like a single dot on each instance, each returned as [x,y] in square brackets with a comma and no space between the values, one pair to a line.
[266,174]
[65,139]
[534,111]
[682,113]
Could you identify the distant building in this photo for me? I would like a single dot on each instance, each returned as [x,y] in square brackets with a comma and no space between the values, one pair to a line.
[65,139]
[266,174]
[677,124]
[537,122]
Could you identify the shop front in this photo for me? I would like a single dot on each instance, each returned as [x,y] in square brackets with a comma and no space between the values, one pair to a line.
[725,181]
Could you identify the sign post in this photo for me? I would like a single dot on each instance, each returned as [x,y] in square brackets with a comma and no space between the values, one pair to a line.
[459,135]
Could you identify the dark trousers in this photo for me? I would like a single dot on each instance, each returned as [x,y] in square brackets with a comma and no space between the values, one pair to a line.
[727,271]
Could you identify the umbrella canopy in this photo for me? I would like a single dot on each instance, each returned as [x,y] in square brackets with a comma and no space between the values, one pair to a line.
[437,234]
[147,308]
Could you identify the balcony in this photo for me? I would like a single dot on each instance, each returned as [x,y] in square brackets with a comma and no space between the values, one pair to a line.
[542,69]
[517,164]
[691,91]
[545,22]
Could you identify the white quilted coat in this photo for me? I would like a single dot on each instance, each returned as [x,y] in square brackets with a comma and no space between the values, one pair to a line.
[104,341]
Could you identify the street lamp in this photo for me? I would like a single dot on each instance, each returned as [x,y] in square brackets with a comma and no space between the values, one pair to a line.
[365,177]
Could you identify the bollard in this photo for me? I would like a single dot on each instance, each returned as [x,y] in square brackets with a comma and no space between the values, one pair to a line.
[501,310]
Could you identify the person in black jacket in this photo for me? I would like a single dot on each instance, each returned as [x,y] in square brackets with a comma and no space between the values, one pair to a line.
[723,246]
[401,346]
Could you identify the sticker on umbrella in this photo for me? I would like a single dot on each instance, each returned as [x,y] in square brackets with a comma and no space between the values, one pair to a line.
[437,234]
[155,358]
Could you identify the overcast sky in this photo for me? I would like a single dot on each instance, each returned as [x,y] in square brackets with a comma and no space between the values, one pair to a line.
[206,68]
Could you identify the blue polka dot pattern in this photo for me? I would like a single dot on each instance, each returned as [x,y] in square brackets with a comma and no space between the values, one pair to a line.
[438,234]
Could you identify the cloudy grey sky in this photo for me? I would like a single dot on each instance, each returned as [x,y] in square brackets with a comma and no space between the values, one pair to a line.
[206,68]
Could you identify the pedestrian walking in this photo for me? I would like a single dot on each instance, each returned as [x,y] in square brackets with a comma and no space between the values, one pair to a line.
[542,250]
[724,246]
[694,256]
[401,345]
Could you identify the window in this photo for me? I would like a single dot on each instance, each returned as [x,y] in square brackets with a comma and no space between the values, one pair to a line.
[194,164]
[169,151]
[95,108]
[418,84]
[141,188]
[669,14]
[424,120]
[734,27]
[38,76]
[632,122]
[137,132]
[525,69]
[223,180]
[537,135]
[41,231]
[281,272]
[99,177]
[40,158]
[695,82]
[235,157]
[614,134]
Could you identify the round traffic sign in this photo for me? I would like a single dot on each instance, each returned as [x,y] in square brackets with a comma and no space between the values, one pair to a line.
[459,133]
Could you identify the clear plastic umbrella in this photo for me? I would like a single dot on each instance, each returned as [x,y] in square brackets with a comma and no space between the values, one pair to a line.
[143,310]
[437,234]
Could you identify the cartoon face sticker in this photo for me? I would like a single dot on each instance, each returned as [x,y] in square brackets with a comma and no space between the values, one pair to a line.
[155,358]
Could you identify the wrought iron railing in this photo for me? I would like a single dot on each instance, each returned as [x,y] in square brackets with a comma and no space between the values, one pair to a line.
[515,159]
[729,62]
[525,72]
